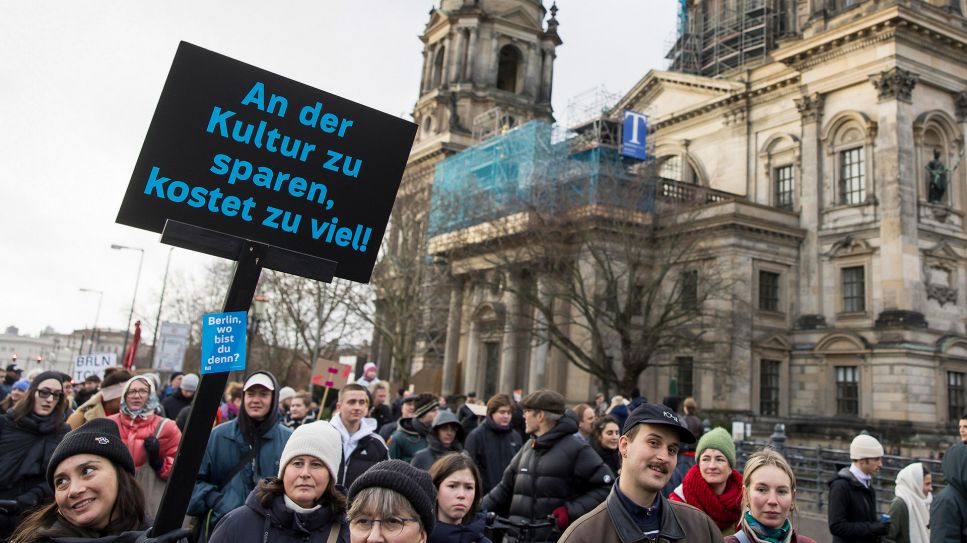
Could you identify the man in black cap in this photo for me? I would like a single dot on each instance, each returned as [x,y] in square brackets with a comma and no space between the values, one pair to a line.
[554,473]
[13,375]
[410,437]
[635,510]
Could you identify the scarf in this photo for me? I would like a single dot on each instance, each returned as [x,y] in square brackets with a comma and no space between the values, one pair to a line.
[762,534]
[909,488]
[725,509]
[149,406]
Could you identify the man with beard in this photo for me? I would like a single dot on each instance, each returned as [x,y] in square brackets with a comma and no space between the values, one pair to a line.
[554,473]
[239,454]
[361,446]
[635,509]
[493,444]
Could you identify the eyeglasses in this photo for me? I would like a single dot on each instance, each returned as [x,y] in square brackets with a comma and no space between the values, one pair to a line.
[47,393]
[137,392]
[391,526]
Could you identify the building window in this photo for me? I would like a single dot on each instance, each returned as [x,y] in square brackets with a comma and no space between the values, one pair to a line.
[686,368]
[769,387]
[854,289]
[768,291]
[783,182]
[956,400]
[508,68]
[689,286]
[847,391]
[852,182]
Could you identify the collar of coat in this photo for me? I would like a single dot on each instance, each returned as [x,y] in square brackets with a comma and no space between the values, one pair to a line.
[625,525]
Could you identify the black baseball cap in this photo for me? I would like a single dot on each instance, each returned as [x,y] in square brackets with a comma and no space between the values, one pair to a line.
[650,413]
[14,367]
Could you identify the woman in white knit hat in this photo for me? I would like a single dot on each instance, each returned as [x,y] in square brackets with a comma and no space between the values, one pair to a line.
[302,504]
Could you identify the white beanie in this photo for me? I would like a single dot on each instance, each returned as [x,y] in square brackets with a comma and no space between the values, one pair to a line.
[318,439]
[285,393]
[865,446]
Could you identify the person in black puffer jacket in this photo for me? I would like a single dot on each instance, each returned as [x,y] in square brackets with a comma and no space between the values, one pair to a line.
[29,434]
[555,473]
[302,504]
[446,437]
[493,444]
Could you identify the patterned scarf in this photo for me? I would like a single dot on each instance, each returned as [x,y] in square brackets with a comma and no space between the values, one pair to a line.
[150,405]
[763,534]
[725,509]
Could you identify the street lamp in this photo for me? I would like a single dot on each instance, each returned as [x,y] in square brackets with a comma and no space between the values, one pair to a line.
[161,301]
[127,331]
[100,297]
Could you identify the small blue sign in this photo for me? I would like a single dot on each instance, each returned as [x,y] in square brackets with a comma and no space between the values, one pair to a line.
[634,135]
[223,341]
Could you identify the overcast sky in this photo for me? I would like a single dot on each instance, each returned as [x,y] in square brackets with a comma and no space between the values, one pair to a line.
[79,82]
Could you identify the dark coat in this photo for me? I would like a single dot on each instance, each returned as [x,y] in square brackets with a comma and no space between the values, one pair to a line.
[611,457]
[407,440]
[852,513]
[473,532]
[948,512]
[425,458]
[382,413]
[175,403]
[553,470]
[369,451]
[26,447]
[492,447]
[247,524]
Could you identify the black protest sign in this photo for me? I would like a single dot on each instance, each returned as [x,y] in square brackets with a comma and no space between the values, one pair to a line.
[242,151]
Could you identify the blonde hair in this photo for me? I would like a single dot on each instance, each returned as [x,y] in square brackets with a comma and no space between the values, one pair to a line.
[762,458]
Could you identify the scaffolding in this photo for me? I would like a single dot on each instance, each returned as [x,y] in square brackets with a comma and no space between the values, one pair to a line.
[717,36]
[536,166]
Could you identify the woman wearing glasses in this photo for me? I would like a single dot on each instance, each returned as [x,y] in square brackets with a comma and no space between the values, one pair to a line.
[29,433]
[392,502]
[302,504]
[151,439]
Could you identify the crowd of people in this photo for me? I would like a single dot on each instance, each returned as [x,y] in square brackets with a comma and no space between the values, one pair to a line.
[91,464]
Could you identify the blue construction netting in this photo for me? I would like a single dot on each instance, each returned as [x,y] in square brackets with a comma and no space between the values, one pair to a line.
[530,168]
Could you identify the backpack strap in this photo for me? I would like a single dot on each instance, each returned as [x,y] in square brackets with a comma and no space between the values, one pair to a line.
[334,532]
[161,424]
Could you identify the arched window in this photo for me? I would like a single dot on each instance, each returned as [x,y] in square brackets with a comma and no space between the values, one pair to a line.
[509,68]
[848,169]
[779,160]
[438,67]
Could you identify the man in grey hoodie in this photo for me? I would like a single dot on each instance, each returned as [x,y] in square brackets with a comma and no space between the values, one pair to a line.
[361,446]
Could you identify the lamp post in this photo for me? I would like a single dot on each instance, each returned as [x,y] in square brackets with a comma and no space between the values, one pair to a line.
[100,297]
[127,330]
[161,301]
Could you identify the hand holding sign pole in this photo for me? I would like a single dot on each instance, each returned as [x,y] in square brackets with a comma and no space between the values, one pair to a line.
[247,165]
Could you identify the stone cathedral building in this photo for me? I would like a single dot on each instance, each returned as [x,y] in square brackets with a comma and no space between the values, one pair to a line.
[831,134]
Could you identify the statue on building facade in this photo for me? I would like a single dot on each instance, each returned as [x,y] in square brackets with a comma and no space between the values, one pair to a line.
[937,176]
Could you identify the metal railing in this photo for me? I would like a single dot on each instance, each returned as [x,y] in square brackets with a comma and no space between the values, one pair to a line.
[815,467]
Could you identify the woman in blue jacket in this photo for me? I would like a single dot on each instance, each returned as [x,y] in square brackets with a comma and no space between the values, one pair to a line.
[302,504]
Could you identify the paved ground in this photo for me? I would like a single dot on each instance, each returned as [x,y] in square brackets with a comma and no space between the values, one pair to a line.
[814,526]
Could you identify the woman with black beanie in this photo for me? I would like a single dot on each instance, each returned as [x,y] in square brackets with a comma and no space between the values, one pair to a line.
[29,433]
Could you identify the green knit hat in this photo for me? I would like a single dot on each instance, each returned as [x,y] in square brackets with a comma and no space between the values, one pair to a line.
[719,439]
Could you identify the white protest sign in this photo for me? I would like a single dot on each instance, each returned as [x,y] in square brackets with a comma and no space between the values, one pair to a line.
[93,364]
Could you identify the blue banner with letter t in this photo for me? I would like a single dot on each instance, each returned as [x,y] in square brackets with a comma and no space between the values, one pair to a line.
[634,135]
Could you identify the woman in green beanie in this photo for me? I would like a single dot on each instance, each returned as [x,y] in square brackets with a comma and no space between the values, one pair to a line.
[713,485]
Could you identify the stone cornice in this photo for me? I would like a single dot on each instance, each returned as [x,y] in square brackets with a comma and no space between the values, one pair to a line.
[729,102]
[895,84]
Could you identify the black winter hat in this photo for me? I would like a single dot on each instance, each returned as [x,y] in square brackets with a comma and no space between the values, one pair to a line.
[413,484]
[98,437]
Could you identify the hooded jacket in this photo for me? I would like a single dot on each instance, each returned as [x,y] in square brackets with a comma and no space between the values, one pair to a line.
[492,447]
[134,430]
[425,458]
[948,512]
[175,403]
[228,444]
[553,470]
[278,523]
[360,451]
[408,439]
[472,532]
[852,513]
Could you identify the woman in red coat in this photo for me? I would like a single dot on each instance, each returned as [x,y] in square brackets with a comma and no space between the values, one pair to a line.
[151,439]
[769,496]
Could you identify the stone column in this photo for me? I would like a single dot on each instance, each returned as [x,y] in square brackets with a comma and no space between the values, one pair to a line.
[536,375]
[491,78]
[532,72]
[547,77]
[471,73]
[473,342]
[427,69]
[447,56]
[894,184]
[810,204]
[457,57]
[508,354]
[452,351]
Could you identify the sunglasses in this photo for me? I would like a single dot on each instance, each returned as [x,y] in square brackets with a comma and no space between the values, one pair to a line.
[47,393]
